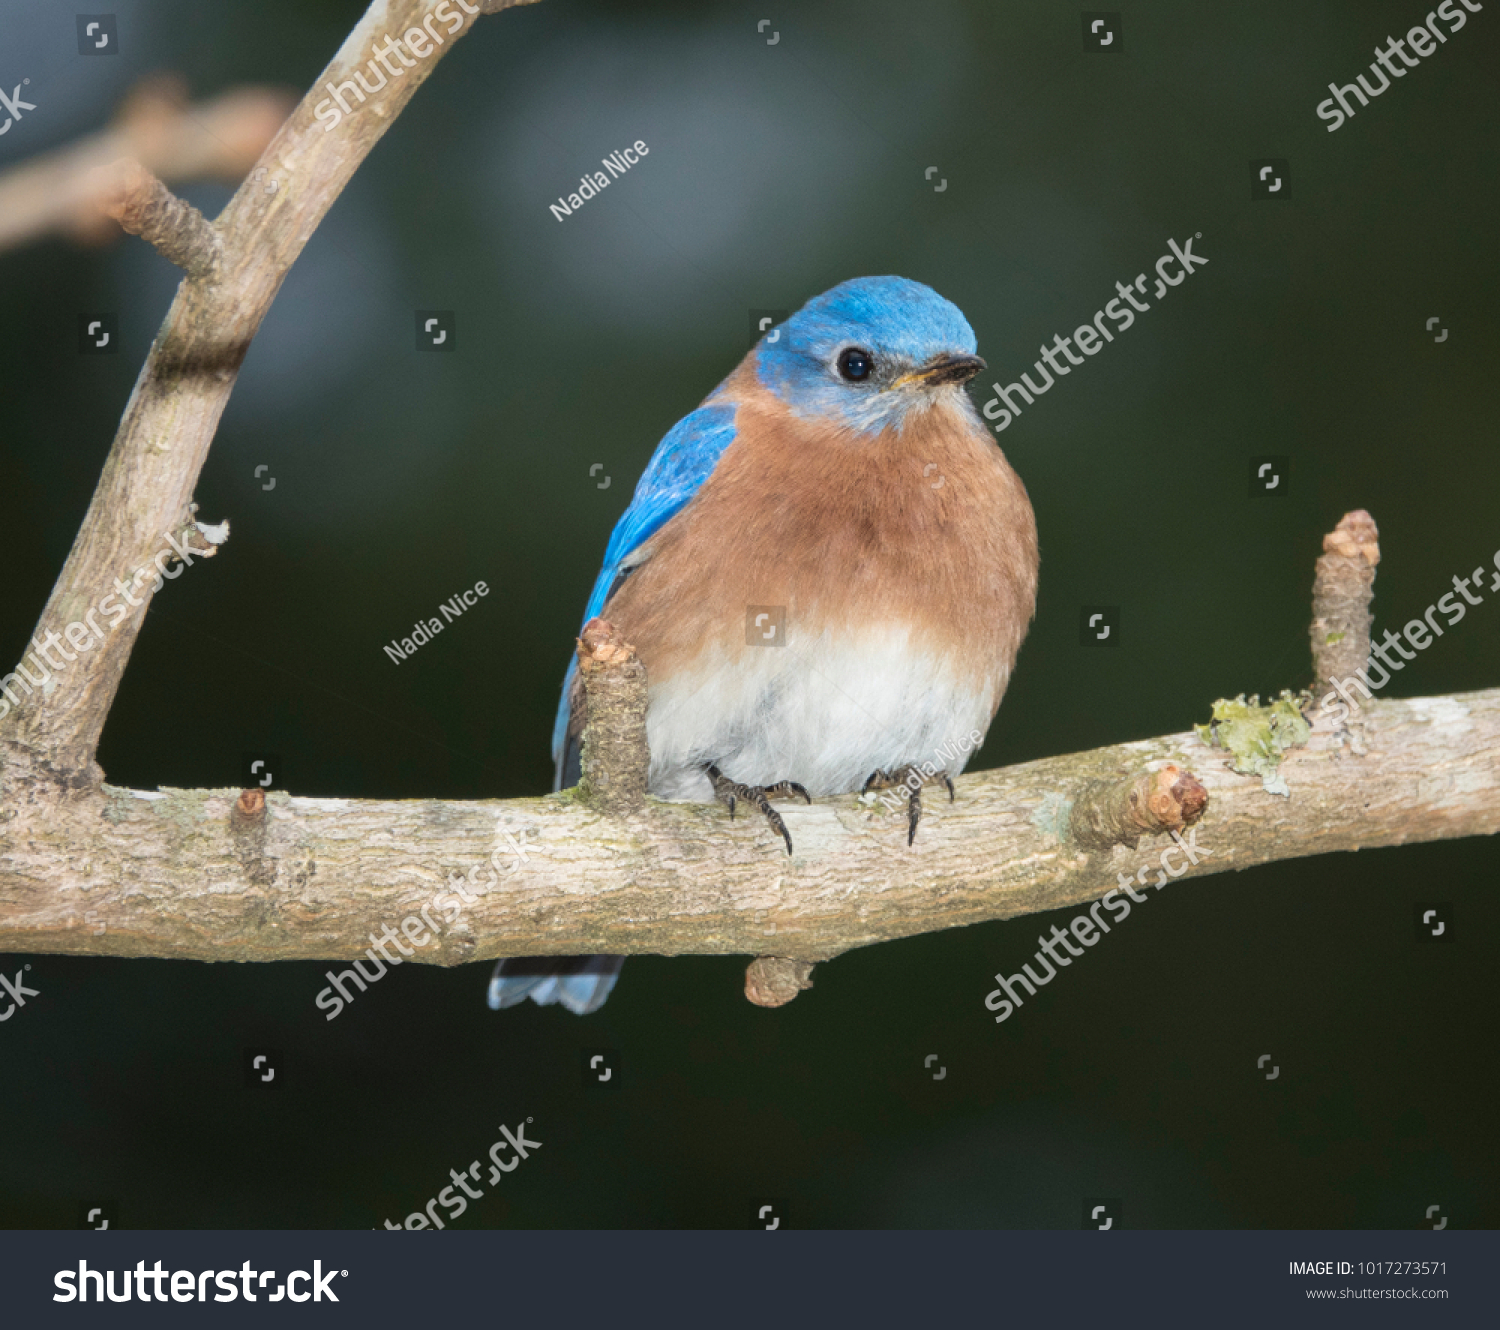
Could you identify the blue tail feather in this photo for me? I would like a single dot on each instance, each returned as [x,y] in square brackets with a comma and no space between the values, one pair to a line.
[580,983]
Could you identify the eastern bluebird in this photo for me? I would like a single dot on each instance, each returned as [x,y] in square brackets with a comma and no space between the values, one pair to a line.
[827,570]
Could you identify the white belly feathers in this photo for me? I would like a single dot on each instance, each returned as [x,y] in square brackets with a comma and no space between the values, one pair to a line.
[823,711]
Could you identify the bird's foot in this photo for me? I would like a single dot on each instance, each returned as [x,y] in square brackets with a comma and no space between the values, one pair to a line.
[911,779]
[729,793]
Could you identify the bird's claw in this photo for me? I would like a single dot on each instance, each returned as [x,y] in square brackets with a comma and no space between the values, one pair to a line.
[730,793]
[903,777]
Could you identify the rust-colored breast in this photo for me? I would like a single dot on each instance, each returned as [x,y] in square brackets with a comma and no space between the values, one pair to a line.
[928,529]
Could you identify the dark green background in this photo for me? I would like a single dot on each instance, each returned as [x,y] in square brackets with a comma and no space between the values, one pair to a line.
[401,478]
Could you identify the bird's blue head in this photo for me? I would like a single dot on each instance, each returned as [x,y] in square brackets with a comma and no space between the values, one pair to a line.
[868,353]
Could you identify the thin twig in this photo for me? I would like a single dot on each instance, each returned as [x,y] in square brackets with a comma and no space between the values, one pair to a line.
[615,757]
[67,190]
[178,231]
[1343,586]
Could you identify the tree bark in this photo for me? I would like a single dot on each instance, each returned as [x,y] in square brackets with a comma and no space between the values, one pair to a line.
[169,873]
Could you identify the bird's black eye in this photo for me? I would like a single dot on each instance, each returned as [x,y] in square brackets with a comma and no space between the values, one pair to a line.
[855,364]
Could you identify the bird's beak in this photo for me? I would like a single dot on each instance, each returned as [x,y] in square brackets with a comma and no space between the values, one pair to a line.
[945,369]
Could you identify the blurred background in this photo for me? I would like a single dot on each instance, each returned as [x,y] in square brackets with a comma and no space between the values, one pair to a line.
[776,169]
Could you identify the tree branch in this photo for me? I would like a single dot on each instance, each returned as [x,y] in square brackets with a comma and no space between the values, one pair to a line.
[616,760]
[228,875]
[1343,585]
[147,483]
[773,981]
[170,875]
[67,190]
[1120,812]
[147,208]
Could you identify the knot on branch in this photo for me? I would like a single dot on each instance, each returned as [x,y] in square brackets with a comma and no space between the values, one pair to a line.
[147,208]
[615,758]
[1343,585]
[1109,813]
[773,981]
[212,534]
[248,825]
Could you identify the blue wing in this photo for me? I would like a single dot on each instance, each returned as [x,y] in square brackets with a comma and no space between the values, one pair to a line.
[683,460]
